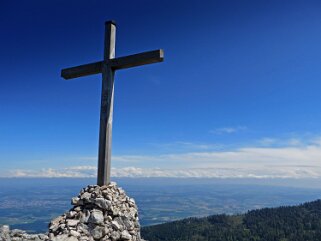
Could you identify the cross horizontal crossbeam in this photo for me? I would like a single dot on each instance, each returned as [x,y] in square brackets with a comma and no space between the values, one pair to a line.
[82,70]
[134,60]
[116,64]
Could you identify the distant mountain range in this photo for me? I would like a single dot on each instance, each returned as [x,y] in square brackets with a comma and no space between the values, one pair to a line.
[286,223]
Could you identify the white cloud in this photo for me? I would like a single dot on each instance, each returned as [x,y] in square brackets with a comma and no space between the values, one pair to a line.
[316,141]
[219,172]
[228,130]
[80,171]
[185,145]
[267,141]
[292,161]
[294,142]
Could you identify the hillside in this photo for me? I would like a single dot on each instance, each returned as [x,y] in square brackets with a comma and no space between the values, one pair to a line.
[295,223]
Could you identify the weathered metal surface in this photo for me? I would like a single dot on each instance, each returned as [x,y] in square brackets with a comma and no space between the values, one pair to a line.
[82,70]
[106,109]
[137,59]
[130,61]
[108,67]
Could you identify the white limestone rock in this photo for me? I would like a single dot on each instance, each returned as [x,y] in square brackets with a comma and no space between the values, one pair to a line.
[65,237]
[19,235]
[96,217]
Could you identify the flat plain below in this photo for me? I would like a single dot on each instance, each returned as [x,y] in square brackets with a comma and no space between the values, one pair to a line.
[30,203]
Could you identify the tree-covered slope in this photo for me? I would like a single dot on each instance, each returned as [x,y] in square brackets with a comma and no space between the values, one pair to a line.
[297,223]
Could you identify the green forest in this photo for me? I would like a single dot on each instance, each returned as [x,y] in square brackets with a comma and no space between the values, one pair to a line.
[295,223]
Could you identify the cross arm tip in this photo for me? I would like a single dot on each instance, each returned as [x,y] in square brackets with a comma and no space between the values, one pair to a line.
[134,60]
[82,70]
[110,22]
[161,53]
[63,74]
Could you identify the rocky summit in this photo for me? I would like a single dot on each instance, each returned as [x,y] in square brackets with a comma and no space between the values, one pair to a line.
[19,235]
[102,213]
[98,213]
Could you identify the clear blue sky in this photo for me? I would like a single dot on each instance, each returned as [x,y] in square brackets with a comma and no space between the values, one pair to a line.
[239,78]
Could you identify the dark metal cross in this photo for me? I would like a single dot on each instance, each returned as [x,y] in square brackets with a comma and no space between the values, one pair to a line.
[107,68]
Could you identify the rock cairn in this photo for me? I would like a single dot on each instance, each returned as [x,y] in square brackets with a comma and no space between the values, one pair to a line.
[18,235]
[103,213]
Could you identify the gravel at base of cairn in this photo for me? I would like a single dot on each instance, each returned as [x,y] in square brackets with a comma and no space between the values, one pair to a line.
[103,213]
[18,235]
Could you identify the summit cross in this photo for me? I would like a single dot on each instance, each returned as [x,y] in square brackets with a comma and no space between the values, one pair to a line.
[107,68]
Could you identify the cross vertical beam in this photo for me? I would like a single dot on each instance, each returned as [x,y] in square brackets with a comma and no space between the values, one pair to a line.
[107,104]
[107,68]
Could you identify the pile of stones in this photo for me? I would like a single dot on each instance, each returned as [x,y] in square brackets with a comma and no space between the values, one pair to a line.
[103,213]
[18,235]
[99,213]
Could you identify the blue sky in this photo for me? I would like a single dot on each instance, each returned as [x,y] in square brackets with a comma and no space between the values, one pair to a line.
[238,94]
